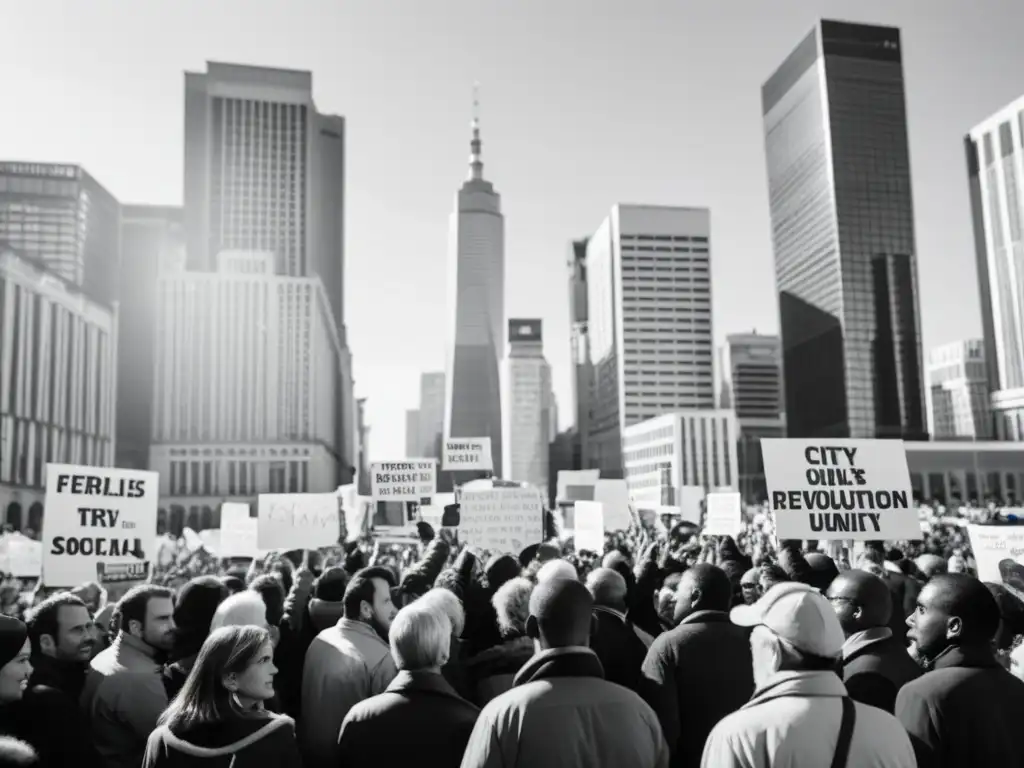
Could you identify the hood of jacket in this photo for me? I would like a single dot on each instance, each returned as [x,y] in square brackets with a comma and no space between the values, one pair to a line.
[504,659]
[211,740]
[325,613]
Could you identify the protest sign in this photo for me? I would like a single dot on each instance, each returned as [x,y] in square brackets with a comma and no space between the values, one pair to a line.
[20,556]
[297,521]
[578,479]
[409,480]
[723,516]
[463,453]
[505,520]
[588,533]
[239,531]
[840,489]
[97,516]
[614,495]
[998,551]
[690,499]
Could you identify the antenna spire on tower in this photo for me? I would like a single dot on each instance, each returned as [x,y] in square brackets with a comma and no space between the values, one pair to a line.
[476,164]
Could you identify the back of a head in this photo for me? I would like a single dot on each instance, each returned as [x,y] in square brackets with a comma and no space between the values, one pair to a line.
[269,587]
[444,600]
[14,752]
[608,588]
[823,570]
[714,585]
[512,607]
[240,610]
[931,565]
[556,569]
[969,599]
[560,613]
[331,585]
[197,603]
[420,637]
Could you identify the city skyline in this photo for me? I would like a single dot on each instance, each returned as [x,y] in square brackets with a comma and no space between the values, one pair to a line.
[539,152]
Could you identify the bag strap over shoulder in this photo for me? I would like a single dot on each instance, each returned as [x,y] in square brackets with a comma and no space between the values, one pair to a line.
[842,752]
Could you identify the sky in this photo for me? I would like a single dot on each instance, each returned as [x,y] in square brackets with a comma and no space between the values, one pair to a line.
[584,104]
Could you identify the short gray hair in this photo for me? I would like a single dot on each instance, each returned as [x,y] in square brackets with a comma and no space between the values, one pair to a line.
[512,606]
[445,600]
[421,637]
[241,610]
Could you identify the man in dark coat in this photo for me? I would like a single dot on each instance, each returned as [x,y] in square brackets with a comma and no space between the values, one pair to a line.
[965,711]
[875,663]
[419,719]
[700,671]
[60,633]
[617,643]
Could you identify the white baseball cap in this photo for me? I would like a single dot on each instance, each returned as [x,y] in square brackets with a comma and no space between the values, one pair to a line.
[798,614]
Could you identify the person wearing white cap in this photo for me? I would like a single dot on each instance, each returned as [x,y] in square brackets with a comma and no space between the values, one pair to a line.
[800,713]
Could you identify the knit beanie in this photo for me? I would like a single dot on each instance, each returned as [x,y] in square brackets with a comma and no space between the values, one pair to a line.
[331,585]
[13,633]
[501,568]
[197,602]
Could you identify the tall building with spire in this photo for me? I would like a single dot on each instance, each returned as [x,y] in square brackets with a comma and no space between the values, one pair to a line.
[476,306]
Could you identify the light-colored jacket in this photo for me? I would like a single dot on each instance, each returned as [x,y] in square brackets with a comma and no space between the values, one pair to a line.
[123,697]
[345,664]
[563,713]
[793,721]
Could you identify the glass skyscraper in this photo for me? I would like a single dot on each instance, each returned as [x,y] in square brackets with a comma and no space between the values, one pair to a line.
[843,233]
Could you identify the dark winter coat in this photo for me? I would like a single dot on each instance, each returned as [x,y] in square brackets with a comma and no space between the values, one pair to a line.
[268,740]
[875,666]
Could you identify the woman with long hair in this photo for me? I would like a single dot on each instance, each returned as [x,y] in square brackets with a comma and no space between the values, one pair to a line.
[218,719]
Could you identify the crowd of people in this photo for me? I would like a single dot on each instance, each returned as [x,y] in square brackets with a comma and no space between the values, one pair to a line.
[667,649]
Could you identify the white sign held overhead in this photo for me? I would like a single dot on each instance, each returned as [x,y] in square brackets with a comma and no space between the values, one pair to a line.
[614,495]
[999,553]
[724,514]
[505,520]
[98,520]
[298,521]
[589,531]
[239,532]
[408,480]
[840,489]
[468,453]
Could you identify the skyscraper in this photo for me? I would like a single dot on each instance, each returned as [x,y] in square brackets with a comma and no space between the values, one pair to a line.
[65,219]
[476,304]
[648,276]
[431,415]
[959,384]
[581,368]
[843,230]
[265,173]
[412,433]
[526,405]
[995,153]
[152,239]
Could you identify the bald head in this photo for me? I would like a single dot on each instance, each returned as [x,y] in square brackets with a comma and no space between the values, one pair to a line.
[615,559]
[560,614]
[556,569]
[608,588]
[862,601]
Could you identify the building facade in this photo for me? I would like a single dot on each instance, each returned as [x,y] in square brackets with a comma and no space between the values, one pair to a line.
[265,172]
[412,434]
[476,306]
[953,471]
[648,276]
[835,129]
[752,370]
[665,454]
[152,238]
[526,406]
[431,415]
[959,391]
[58,382]
[61,216]
[581,366]
[245,398]
[363,465]
[995,168]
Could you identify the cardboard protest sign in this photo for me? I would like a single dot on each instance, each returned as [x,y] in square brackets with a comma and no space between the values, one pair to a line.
[20,556]
[408,480]
[505,520]
[999,553]
[97,516]
[239,532]
[589,526]
[840,489]
[465,453]
[724,514]
[614,495]
[297,521]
